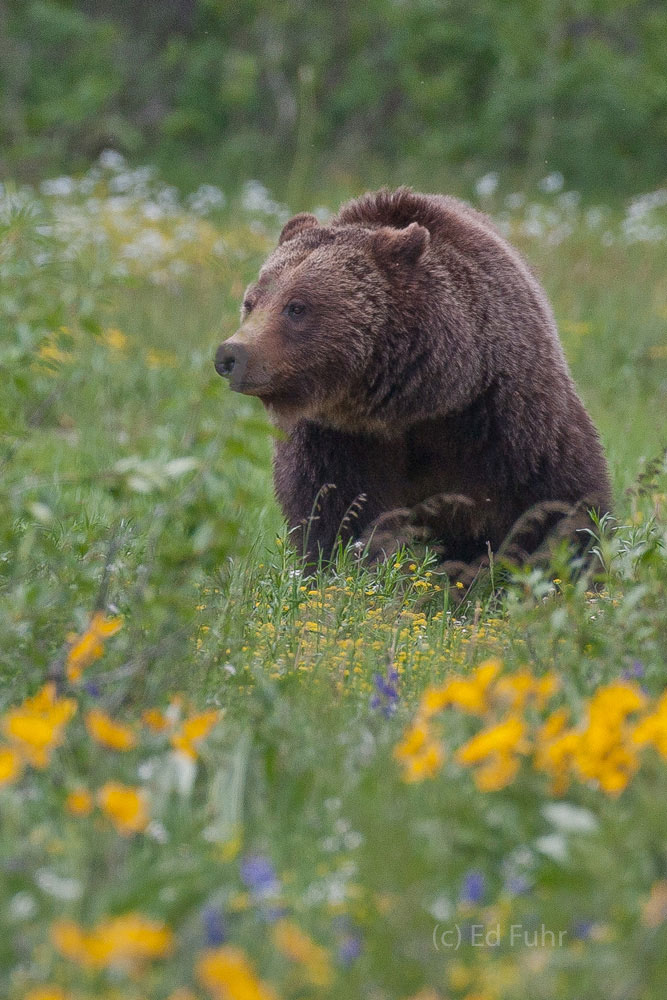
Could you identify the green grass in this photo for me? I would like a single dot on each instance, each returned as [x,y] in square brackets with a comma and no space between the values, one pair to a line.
[134,483]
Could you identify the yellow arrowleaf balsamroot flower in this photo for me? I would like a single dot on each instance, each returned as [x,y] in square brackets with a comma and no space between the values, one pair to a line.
[37,726]
[89,646]
[125,806]
[128,940]
[155,719]
[299,947]
[652,728]
[604,752]
[470,694]
[420,753]
[496,750]
[193,730]
[115,338]
[79,802]
[228,975]
[108,733]
[11,765]
[516,690]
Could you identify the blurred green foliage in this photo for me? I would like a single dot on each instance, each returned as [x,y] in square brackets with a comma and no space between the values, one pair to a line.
[305,96]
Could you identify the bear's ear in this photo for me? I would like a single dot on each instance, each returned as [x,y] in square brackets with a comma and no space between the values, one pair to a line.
[304,220]
[401,246]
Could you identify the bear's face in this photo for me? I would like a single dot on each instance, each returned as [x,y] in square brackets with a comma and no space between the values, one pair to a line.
[311,321]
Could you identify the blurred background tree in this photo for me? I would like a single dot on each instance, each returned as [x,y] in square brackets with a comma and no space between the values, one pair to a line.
[310,96]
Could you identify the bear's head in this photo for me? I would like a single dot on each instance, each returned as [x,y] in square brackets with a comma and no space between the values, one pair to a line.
[314,325]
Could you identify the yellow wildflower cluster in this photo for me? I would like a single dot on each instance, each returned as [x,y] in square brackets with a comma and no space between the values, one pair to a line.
[126,941]
[110,734]
[188,737]
[228,975]
[34,729]
[124,805]
[299,947]
[603,750]
[89,646]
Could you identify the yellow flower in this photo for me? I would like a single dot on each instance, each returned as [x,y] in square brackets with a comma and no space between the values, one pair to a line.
[11,765]
[193,730]
[125,806]
[652,728]
[89,646]
[470,694]
[495,749]
[37,726]
[155,720]
[79,802]
[108,733]
[299,947]
[115,338]
[515,690]
[421,755]
[127,940]
[228,975]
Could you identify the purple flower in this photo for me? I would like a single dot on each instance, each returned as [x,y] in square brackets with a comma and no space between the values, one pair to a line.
[349,949]
[634,671]
[259,875]
[386,693]
[474,886]
[517,885]
[581,929]
[215,931]
[93,689]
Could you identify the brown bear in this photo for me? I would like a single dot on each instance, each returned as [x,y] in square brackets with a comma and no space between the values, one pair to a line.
[413,361]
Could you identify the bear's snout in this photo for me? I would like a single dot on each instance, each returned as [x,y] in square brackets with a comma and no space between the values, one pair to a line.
[231,360]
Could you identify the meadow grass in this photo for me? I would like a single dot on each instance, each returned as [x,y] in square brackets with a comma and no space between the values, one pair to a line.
[241,782]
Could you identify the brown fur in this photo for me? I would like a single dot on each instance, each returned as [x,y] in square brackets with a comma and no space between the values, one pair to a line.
[425,363]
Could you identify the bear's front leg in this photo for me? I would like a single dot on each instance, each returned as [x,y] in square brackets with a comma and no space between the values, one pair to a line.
[330,485]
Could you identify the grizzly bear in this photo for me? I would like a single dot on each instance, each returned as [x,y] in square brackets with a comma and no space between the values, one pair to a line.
[413,362]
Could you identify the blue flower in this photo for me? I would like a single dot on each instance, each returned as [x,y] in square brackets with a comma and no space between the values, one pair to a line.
[259,875]
[474,887]
[349,949]
[215,932]
[386,693]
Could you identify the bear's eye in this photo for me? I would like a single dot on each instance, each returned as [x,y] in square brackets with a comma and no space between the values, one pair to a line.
[295,309]
[247,305]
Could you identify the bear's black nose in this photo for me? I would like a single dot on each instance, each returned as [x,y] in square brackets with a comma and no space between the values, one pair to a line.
[230,361]
[228,357]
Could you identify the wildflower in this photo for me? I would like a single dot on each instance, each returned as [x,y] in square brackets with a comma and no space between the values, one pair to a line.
[652,728]
[495,749]
[125,806]
[603,752]
[11,765]
[300,948]
[108,733]
[386,696]
[517,689]
[215,931]
[258,874]
[421,755]
[193,730]
[89,646]
[115,339]
[79,802]
[474,887]
[155,720]
[349,949]
[228,975]
[37,726]
[467,693]
[556,747]
[127,940]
